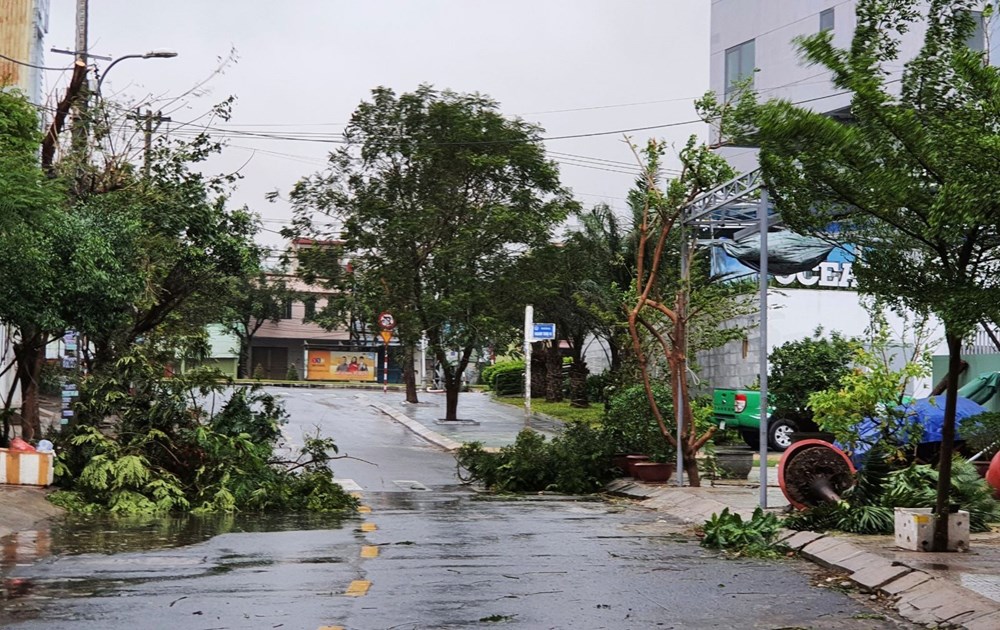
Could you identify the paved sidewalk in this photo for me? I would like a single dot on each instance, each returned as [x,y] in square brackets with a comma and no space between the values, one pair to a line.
[959,590]
[492,423]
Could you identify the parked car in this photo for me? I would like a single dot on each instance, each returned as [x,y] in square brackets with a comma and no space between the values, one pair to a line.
[740,409]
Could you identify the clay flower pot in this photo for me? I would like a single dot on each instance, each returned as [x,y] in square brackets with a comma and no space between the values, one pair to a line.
[654,472]
[734,463]
[632,460]
[621,462]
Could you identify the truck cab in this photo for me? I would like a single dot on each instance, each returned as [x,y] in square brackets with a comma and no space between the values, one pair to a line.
[740,409]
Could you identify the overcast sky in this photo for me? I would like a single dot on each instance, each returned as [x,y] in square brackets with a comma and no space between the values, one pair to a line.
[572,66]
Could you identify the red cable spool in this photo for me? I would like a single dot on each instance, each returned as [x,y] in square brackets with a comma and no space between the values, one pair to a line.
[811,472]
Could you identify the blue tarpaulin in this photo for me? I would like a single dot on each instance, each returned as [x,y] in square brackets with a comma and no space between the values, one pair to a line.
[925,414]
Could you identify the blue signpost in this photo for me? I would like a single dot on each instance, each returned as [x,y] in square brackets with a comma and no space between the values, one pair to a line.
[543,331]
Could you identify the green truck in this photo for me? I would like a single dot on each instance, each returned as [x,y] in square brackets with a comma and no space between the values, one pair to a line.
[740,409]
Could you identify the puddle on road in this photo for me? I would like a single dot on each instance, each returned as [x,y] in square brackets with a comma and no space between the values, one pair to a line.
[78,534]
[133,551]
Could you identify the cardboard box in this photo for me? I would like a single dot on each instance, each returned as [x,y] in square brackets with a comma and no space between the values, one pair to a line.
[26,469]
[914,528]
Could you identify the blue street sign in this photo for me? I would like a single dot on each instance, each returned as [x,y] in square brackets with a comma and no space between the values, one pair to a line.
[543,331]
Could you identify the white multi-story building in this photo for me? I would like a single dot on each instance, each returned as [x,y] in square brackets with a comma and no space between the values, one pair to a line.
[756,38]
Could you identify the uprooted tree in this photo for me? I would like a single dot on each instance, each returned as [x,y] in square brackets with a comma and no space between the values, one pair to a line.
[669,314]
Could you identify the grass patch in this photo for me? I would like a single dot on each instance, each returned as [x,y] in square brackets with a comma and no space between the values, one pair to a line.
[772,459]
[592,415]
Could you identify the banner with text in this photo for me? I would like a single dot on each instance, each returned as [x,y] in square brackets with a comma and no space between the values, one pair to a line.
[332,365]
[833,273]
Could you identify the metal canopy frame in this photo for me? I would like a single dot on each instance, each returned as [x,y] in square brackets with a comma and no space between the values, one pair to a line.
[741,204]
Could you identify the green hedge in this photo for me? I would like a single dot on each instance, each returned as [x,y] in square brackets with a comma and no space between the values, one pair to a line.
[504,377]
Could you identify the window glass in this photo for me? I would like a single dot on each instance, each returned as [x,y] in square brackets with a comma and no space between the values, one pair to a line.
[826,20]
[739,64]
[977,41]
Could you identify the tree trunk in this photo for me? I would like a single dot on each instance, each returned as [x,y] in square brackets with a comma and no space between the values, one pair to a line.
[538,369]
[615,350]
[30,358]
[409,374]
[452,385]
[553,373]
[941,505]
[578,383]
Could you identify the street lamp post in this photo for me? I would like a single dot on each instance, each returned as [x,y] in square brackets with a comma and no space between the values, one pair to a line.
[148,128]
[153,54]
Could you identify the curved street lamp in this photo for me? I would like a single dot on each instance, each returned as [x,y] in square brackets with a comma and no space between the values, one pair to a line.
[153,54]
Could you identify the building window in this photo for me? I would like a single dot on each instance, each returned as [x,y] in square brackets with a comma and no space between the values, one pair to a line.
[739,65]
[826,20]
[310,304]
[286,309]
[977,40]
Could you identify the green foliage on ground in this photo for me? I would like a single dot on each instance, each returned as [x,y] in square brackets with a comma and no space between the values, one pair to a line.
[293,373]
[868,508]
[159,450]
[579,460]
[576,462]
[754,538]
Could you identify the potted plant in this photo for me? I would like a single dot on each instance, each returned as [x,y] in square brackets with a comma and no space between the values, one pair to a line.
[631,430]
[654,472]
[727,457]
[733,462]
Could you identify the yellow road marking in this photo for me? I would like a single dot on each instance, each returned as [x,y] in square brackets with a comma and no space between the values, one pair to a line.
[358,588]
[368,527]
[364,509]
[369,551]
[331,628]
[356,495]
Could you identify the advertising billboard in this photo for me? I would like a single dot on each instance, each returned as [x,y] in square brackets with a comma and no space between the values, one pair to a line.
[333,365]
[833,272]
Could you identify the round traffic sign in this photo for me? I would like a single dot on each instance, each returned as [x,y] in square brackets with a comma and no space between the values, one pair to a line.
[386,321]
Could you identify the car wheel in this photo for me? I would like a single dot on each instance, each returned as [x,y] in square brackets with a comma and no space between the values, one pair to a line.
[779,433]
[752,438]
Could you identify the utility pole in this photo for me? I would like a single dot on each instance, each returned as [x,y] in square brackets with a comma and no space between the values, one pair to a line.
[148,127]
[80,131]
[81,30]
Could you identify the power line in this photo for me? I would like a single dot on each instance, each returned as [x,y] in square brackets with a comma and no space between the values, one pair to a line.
[327,139]
[31,65]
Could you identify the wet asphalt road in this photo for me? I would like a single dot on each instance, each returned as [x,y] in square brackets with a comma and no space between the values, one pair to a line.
[425,553]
